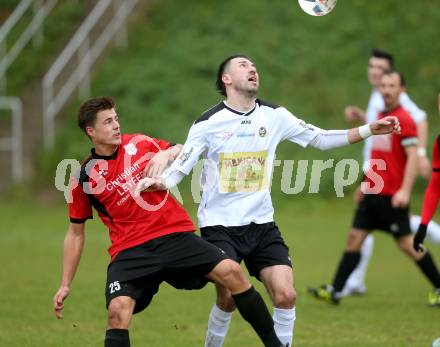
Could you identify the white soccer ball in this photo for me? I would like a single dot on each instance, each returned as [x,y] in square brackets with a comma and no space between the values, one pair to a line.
[436,343]
[317,7]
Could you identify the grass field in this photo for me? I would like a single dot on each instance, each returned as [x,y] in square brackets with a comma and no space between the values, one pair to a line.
[392,314]
[312,66]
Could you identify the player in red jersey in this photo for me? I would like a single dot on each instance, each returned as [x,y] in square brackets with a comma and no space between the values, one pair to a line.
[430,203]
[387,191]
[151,235]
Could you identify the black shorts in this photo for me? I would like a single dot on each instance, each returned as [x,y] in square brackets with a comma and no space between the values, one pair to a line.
[181,259]
[376,212]
[259,245]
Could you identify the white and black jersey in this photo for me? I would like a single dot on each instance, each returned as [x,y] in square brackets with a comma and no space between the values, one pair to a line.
[239,150]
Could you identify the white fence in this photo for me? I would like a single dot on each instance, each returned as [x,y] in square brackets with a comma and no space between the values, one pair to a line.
[14,142]
[40,9]
[86,53]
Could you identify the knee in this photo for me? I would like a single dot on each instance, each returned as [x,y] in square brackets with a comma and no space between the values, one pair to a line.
[284,298]
[233,272]
[120,311]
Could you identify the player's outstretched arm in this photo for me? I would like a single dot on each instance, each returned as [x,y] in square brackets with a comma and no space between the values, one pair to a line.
[382,126]
[160,161]
[73,246]
[169,179]
[329,139]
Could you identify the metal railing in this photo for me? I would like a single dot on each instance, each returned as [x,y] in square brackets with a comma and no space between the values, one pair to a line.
[14,142]
[33,30]
[87,52]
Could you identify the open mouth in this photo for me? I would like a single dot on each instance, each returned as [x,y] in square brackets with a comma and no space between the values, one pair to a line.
[252,79]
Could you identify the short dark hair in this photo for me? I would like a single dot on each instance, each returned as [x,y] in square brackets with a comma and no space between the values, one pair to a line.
[379,53]
[401,77]
[221,70]
[89,109]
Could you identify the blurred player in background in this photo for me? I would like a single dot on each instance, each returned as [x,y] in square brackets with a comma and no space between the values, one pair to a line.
[430,203]
[380,62]
[151,235]
[238,138]
[394,160]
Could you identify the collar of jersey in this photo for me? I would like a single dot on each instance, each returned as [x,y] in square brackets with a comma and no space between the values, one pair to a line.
[106,157]
[241,113]
[386,113]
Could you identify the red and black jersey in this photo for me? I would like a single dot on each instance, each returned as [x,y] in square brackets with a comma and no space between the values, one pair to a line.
[432,193]
[389,149]
[107,183]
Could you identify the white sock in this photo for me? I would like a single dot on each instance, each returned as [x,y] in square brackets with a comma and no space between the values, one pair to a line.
[433,231]
[357,277]
[218,326]
[284,321]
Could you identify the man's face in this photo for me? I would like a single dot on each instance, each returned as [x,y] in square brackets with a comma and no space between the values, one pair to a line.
[106,130]
[376,68]
[241,74]
[390,87]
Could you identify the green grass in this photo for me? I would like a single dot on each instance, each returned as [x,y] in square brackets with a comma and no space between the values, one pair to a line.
[392,314]
[313,66]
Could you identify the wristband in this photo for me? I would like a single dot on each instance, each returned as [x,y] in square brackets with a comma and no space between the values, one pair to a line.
[421,151]
[365,131]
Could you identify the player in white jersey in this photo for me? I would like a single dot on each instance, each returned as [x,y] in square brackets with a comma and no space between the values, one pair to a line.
[380,62]
[238,138]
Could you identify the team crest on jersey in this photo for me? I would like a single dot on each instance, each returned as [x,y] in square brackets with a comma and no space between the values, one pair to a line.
[130,149]
[262,132]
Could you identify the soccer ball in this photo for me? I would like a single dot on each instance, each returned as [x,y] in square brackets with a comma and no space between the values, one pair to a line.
[317,7]
[436,343]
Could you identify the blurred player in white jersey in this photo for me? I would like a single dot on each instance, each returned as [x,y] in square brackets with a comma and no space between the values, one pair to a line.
[238,138]
[380,62]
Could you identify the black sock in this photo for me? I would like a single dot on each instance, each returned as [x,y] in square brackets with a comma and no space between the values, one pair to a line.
[117,338]
[427,265]
[348,263]
[253,309]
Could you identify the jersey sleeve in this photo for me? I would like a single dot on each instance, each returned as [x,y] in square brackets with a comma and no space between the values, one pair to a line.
[408,132]
[162,144]
[193,147]
[294,129]
[80,207]
[416,113]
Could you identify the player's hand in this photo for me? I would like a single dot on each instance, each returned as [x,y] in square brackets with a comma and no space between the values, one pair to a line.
[58,301]
[157,164]
[353,114]
[385,125]
[424,167]
[400,199]
[144,185]
[419,237]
